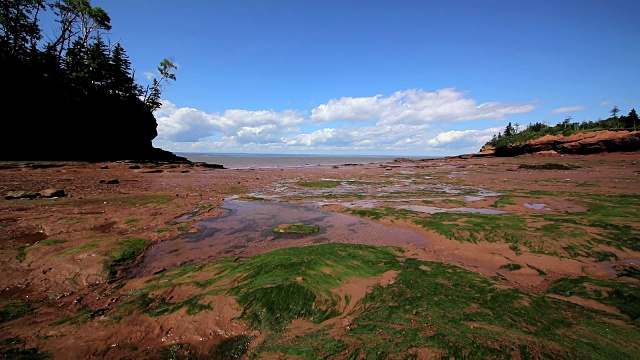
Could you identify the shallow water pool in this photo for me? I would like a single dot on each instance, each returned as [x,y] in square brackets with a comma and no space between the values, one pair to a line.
[247,229]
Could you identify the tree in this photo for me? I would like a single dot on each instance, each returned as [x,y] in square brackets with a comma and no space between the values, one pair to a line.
[152,93]
[614,112]
[19,30]
[631,120]
[77,19]
[508,131]
[121,81]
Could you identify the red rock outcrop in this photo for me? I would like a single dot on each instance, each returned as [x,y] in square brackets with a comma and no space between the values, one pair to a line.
[584,143]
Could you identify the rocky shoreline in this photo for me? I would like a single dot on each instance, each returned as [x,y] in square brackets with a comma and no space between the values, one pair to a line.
[67,259]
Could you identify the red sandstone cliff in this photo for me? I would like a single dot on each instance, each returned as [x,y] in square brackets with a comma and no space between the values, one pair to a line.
[583,143]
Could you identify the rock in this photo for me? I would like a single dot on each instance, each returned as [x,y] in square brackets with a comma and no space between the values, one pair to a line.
[209,166]
[52,193]
[583,143]
[21,194]
[112,181]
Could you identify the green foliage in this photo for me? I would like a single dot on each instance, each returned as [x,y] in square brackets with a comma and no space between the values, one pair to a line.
[23,354]
[454,202]
[153,92]
[50,242]
[232,348]
[91,245]
[14,310]
[275,288]
[459,314]
[160,307]
[73,69]
[79,318]
[511,266]
[320,184]
[503,201]
[21,255]
[511,135]
[128,251]
[623,295]
[296,229]
[429,305]
[140,200]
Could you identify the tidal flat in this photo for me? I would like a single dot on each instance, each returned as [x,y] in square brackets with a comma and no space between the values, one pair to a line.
[481,257]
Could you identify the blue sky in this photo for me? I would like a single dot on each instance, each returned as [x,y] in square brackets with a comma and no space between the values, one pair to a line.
[430,78]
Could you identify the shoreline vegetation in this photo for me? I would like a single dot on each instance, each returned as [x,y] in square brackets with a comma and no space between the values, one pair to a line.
[527,257]
[616,133]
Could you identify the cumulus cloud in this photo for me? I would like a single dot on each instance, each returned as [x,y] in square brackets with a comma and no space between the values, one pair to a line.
[396,139]
[410,120]
[567,109]
[414,106]
[192,125]
[462,139]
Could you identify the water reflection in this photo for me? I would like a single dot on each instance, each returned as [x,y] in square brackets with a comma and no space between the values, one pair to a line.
[248,229]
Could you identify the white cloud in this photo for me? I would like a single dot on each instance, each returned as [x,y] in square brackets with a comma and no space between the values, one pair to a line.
[192,125]
[414,106]
[567,109]
[605,103]
[462,139]
[149,75]
[409,121]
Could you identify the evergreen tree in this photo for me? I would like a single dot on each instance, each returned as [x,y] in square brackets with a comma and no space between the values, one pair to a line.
[508,131]
[19,30]
[121,81]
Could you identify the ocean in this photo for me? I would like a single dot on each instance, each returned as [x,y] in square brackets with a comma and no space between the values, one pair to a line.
[249,161]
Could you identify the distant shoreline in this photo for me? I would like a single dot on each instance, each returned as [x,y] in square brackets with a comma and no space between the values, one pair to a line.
[247,161]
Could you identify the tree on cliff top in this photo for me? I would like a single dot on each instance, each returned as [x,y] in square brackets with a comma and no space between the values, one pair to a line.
[79,79]
[566,128]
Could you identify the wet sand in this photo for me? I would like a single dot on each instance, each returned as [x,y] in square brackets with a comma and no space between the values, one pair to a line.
[52,251]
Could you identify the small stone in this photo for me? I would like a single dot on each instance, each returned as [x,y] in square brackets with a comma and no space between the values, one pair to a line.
[52,193]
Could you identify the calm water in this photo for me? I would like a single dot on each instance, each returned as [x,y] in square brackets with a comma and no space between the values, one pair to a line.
[245,161]
[247,229]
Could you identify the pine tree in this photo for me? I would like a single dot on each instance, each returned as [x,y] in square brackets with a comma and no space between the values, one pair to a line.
[121,81]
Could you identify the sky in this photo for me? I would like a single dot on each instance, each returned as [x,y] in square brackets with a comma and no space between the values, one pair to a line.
[402,78]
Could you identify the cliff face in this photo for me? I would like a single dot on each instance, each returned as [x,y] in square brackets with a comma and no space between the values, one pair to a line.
[94,127]
[589,143]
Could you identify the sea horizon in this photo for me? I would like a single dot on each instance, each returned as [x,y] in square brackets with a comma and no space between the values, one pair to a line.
[249,160]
